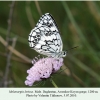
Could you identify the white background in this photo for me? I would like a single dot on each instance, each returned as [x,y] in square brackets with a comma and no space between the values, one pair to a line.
[6,95]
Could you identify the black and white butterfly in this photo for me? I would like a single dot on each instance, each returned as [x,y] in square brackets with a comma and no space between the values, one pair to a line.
[45,38]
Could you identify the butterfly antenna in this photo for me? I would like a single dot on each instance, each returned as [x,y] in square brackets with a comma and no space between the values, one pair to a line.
[73,48]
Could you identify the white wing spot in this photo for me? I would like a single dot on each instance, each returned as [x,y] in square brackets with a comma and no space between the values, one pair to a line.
[33,33]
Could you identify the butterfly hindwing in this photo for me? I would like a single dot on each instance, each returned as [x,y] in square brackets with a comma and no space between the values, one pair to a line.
[45,41]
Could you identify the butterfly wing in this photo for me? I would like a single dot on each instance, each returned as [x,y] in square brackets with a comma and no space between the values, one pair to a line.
[48,20]
[45,38]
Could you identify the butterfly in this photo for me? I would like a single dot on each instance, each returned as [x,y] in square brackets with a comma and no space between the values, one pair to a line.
[45,38]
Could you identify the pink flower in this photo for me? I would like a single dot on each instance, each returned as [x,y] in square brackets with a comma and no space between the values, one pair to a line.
[42,69]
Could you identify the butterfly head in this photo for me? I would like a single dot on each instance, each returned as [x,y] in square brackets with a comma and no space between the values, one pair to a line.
[64,53]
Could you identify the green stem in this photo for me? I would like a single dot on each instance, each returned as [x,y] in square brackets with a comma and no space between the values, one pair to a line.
[54,84]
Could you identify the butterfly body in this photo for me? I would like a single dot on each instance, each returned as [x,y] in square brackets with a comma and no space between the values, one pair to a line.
[45,38]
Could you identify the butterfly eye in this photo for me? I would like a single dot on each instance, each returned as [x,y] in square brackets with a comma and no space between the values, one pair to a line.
[64,53]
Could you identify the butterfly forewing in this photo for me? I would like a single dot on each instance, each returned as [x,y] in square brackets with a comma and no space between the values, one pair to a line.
[48,20]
